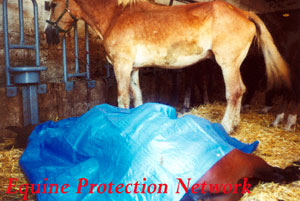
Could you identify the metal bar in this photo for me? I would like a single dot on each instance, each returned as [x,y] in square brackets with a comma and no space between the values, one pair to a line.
[87,51]
[65,59]
[21,22]
[69,84]
[6,42]
[27,68]
[76,75]
[21,46]
[76,48]
[36,33]
[30,106]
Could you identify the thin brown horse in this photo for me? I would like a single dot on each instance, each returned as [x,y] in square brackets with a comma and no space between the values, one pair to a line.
[145,34]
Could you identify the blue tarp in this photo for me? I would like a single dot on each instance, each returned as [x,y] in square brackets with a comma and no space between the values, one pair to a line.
[109,145]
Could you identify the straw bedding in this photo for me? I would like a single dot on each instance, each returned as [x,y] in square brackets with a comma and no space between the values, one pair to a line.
[279,148]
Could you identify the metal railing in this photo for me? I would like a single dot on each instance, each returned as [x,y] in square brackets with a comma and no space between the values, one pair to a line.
[69,84]
[28,77]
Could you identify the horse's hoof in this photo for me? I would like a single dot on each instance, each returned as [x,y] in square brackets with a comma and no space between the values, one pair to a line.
[228,129]
[274,125]
[290,128]
[278,120]
[291,123]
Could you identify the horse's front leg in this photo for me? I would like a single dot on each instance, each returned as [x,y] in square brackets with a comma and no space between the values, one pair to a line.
[123,74]
[135,88]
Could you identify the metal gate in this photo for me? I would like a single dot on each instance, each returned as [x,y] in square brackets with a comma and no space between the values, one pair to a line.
[28,77]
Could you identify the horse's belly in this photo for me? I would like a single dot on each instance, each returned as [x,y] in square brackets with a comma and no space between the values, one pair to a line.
[176,56]
[179,62]
[182,61]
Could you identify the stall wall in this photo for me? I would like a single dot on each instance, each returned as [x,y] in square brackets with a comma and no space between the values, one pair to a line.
[56,103]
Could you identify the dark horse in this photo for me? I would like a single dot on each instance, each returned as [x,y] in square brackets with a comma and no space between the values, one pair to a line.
[145,34]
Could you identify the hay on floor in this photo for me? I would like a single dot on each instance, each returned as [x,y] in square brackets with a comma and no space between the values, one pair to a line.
[278,147]
[9,167]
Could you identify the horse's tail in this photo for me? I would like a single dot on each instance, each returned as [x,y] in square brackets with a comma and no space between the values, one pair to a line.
[276,67]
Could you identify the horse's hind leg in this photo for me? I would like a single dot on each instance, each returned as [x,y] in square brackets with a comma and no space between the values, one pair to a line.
[230,63]
[239,105]
[135,88]
[234,91]
[282,110]
[292,116]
